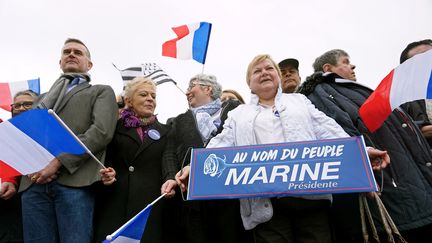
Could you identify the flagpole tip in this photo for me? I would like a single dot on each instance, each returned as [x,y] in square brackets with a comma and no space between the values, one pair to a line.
[109,237]
[50,111]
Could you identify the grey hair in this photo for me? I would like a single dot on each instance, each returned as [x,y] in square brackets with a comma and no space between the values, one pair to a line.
[330,57]
[132,86]
[28,92]
[209,80]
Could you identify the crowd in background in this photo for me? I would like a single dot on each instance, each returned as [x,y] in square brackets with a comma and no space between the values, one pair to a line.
[74,200]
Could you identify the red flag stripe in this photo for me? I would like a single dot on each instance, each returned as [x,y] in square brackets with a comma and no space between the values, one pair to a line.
[377,107]
[6,171]
[5,96]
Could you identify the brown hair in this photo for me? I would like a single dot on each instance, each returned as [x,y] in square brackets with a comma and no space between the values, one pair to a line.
[73,40]
[235,93]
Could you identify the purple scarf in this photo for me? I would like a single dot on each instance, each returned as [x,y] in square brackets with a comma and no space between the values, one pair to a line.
[130,119]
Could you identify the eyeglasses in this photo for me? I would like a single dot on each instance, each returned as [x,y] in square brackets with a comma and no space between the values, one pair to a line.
[26,105]
[193,84]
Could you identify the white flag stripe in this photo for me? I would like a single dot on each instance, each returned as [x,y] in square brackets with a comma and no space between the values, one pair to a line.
[184,45]
[16,87]
[131,73]
[124,239]
[16,145]
[418,71]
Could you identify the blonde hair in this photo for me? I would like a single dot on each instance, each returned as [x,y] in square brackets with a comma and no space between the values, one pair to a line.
[258,59]
[132,86]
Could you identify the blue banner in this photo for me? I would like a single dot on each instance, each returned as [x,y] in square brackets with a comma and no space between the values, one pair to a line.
[284,169]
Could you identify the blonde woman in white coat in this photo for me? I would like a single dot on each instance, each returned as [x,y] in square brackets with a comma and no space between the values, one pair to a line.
[273,117]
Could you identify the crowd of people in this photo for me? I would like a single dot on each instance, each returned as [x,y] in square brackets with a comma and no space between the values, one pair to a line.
[73,199]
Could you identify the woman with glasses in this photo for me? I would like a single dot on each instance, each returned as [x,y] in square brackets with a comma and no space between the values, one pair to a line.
[23,101]
[10,204]
[201,221]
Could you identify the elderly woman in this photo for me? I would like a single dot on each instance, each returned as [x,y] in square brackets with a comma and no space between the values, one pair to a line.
[135,153]
[273,117]
[201,221]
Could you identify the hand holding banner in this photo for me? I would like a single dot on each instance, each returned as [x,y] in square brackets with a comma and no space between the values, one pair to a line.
[285,169]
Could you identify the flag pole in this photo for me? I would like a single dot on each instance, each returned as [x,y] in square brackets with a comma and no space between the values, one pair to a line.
[51,112]
[109,237]
[180,89]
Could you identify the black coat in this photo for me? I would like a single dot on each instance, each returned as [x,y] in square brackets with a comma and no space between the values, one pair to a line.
[417,110]
[139,179]
[184,135]
[407,191]
[200,221]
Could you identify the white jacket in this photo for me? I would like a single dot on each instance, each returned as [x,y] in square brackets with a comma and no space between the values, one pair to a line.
[301,121]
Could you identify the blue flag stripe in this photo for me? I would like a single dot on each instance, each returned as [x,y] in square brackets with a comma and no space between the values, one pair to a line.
[200,42]
[34,85]
[46,131]
[429,87]
[134,229]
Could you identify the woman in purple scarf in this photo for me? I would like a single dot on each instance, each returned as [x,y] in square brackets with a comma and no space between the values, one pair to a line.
[135,155]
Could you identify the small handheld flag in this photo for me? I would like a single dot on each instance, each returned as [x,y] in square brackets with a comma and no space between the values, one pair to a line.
[8,90]
[191,42]
[31,140]
[132,230]
[412,80]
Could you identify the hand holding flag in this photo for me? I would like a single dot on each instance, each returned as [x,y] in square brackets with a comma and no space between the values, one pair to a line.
[33,139]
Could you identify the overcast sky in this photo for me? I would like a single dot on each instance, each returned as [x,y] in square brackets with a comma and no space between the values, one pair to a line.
[130,32]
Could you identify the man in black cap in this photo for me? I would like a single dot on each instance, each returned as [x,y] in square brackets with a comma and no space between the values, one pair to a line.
[290,75]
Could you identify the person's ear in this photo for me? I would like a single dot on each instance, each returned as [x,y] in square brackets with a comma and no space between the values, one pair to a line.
[128,102]
[90,65]
[210,89]
[327,67]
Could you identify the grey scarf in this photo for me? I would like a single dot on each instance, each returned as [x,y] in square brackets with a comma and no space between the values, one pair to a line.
[53,98]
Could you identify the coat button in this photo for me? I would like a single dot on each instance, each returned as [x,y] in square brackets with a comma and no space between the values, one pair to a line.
[266,205]
[131,168]
[428,164]
[404,125]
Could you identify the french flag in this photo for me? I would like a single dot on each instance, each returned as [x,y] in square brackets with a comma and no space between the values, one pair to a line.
[31,140]
[8,90]
[412,80]
[191,42]
[133,230]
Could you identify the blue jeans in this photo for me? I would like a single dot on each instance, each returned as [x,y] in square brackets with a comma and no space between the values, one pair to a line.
[56,213]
